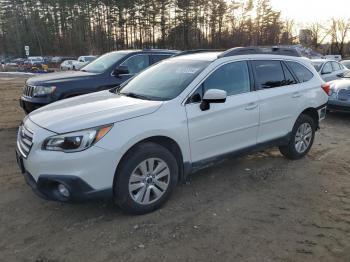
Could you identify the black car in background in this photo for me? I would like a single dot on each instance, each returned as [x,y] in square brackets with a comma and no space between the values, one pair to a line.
[108,71]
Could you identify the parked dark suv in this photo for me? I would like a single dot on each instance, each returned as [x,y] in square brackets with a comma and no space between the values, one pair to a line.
[108,71]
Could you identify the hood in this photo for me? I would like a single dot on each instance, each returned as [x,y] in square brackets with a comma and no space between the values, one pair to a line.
[91,110]
[59,77]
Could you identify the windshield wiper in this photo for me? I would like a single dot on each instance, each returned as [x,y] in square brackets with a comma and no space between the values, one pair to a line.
[133,95]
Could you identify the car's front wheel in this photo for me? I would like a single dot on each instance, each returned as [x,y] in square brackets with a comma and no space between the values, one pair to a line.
[302,138]
[145,179]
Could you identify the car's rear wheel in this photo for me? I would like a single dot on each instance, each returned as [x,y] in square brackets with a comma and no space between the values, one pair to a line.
[302,138]
[145,179]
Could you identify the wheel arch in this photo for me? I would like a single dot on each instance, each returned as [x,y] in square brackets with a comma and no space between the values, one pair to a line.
[313,113]
[164,141]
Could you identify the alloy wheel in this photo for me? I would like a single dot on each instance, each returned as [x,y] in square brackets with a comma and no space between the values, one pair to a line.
[149,181]
[303,137]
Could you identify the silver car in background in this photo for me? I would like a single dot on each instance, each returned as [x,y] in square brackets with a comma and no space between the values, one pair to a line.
[339,99]
[346,63]
[329,69]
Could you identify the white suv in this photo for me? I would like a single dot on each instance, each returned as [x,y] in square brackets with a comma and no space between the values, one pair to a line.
[182,114]
[82,61]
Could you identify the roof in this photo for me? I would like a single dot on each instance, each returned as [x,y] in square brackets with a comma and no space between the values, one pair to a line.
[129,51]
[251,50]
[205,56]
[322,60]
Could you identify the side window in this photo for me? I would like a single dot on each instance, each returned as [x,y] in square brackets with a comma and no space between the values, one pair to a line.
[288,77]
[335,66]
[136,63]
[327,68]
[269,74]
[232,77]
[302,73]
[157,58]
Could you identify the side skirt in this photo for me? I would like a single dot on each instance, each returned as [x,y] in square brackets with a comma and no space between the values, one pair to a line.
[190,168]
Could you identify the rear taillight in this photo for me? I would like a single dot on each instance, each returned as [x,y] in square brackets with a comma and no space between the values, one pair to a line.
[327,88]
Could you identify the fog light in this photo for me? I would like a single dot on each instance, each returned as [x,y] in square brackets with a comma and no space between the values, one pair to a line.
[63,190]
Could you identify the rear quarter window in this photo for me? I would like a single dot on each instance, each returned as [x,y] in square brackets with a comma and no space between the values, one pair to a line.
[302,73]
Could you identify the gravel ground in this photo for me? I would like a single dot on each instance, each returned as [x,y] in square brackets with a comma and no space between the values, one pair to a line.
[261,207]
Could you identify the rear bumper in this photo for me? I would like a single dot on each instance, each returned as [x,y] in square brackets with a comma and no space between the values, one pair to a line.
[341,106]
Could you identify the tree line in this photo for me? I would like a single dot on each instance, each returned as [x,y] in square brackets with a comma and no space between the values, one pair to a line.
[75,27]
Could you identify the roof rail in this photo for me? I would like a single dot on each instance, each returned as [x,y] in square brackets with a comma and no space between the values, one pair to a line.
[274,50]
[195,51]
[159,49]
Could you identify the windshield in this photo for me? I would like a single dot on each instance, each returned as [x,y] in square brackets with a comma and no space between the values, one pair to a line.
[346,64]
[346,75]
[165,80]
[317,65]
[104,62]
[89,58]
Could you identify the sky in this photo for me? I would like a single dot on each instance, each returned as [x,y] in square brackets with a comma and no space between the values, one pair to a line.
[307,11]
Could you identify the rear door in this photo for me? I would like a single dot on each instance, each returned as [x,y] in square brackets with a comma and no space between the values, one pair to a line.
[225,127]
[279,99]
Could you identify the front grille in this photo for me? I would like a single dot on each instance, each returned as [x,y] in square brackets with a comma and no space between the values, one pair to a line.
[28,91]
[24,140]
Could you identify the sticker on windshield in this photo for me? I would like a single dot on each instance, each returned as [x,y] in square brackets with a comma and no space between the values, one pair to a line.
[187,70]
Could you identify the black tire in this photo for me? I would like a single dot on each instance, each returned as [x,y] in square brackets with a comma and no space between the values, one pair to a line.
[290,151]
[133,158]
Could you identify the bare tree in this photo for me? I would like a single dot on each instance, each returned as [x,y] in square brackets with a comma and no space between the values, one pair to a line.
[288,34]
[75,27]
[318,34]
[339,30]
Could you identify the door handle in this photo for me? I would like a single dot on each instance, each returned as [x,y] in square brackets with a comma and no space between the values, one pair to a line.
[251,106]
[296,95]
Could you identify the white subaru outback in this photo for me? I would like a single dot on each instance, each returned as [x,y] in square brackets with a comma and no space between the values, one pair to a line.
[136,142]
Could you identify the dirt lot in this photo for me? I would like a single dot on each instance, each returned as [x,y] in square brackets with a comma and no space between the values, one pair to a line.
[258,208]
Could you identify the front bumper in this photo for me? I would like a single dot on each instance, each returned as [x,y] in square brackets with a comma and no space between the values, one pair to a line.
[46,187]
[30,104]
[88,174]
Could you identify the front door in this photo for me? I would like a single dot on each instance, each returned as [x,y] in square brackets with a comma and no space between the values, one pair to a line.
[225,127]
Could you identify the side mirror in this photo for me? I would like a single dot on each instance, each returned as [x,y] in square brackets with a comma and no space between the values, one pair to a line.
[213,96]
[340,75]
[121,70]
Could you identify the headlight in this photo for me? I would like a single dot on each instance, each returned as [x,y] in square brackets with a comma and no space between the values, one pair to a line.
[76,141]
[43,90]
